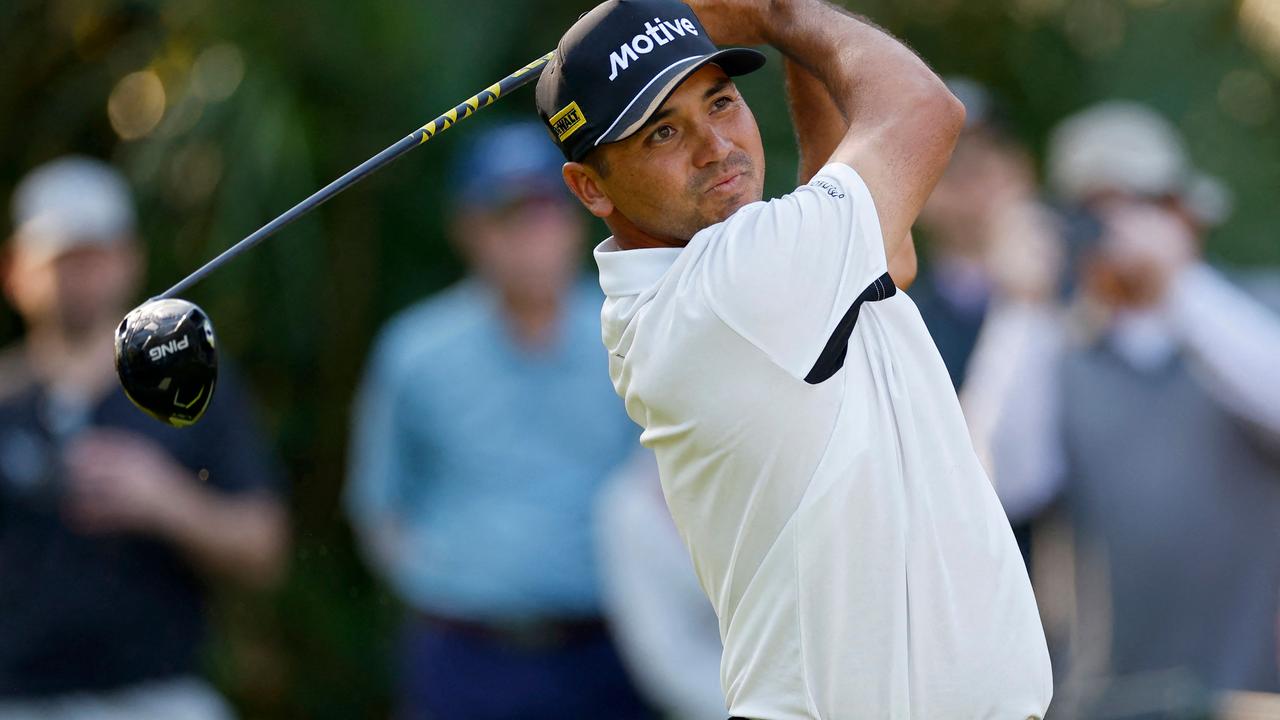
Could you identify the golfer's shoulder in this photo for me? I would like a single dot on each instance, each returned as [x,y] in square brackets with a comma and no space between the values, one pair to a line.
[835,187]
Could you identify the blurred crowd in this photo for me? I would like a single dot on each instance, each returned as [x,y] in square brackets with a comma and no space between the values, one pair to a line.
[1116,383]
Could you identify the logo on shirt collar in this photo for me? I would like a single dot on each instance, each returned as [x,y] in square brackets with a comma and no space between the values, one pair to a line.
[661,33]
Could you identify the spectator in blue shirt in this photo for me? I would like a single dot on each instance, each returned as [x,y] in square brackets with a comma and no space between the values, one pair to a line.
[485,425]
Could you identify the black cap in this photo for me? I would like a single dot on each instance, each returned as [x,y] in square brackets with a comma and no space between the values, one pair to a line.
[618,64]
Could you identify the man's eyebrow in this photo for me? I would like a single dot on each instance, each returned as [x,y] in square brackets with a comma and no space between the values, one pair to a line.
[717,88]
[660,115]
[667,112]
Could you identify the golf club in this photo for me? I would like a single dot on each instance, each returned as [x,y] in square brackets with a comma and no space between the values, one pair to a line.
[165,348]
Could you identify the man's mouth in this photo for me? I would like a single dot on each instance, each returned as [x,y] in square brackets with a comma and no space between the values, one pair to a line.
[728,183]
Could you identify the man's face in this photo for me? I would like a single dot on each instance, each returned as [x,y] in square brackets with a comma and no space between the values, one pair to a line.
[528,249]
[74,291]
[697,160]
[1144,244]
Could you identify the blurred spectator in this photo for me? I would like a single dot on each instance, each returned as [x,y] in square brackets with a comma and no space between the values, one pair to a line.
[1157,422]
[486,424]
[987,196]
[990,173]
[665,627]
[111,524]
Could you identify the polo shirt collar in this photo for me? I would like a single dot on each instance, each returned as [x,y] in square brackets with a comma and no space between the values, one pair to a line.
[631,272]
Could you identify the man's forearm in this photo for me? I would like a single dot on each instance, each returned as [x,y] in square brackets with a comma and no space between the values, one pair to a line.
[242,538]
[819,127]
[862,67]
[1234,339]
[901,122]
[818,123]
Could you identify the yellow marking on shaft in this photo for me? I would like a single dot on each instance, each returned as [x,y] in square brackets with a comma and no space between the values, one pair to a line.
[477,101]
[540,61]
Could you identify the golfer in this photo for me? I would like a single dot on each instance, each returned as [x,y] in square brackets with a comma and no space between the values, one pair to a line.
[811,448]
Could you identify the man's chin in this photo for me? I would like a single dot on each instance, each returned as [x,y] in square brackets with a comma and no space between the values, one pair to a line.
[725,211]
[731,206]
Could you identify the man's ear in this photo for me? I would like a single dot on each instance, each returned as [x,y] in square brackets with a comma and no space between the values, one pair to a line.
[584,183]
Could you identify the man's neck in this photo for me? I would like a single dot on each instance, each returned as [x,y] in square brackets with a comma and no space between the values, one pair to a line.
[80,364]
[628,236]
[533,324]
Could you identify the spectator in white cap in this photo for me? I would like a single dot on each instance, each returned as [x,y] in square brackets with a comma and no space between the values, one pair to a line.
[1123,149]
[112,525]
[1155,423]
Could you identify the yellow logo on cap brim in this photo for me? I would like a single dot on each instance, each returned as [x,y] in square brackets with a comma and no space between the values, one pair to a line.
[567,121]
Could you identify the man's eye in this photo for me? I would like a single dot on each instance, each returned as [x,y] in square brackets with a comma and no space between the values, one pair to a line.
[662,133]
[722,102]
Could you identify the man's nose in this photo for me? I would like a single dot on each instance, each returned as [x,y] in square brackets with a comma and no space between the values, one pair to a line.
[712,146]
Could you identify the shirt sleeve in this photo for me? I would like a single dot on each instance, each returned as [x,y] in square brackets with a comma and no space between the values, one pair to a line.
[377,458]
[1011,403]
[786,274]
[1234,341]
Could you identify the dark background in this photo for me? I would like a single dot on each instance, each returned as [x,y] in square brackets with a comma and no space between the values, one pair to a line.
[263,103]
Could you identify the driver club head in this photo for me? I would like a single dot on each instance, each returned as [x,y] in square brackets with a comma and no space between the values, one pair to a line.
[166,360]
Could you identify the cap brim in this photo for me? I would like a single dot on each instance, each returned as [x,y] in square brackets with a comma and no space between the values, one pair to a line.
[734,62]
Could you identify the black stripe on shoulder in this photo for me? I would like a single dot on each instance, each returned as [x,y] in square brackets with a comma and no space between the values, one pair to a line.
[832,357]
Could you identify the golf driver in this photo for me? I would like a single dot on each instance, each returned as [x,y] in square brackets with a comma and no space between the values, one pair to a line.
[165,348]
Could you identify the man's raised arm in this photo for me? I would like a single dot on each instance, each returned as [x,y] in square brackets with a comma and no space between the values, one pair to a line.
[902,120]
[820,128]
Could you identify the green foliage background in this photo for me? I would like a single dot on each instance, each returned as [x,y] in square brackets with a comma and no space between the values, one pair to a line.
[328,83]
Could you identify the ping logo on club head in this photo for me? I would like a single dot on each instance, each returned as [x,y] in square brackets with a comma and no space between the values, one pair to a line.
[159,352]
[567,121]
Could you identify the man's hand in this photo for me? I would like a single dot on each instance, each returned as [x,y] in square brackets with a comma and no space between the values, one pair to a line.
[1025,256]
[1145,247]
[121,482]
[732,22]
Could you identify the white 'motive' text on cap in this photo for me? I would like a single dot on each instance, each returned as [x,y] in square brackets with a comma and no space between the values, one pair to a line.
[664,32]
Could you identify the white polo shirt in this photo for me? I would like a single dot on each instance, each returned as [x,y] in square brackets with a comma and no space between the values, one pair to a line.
[837,516]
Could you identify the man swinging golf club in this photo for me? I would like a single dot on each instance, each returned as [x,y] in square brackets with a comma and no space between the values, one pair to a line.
[811,447]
